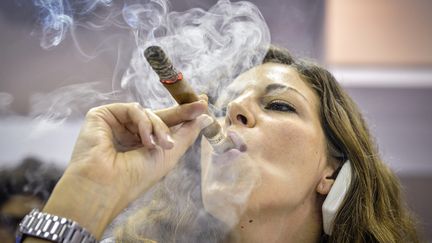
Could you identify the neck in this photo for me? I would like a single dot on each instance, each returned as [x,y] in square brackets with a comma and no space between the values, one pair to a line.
[303,224]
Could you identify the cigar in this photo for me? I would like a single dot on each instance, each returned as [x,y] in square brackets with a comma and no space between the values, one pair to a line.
[183,93]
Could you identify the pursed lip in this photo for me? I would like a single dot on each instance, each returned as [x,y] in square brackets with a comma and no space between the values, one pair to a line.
[231,154]
[237,140]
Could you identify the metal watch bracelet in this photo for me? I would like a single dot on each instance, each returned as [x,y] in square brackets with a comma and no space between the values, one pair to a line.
[53,228]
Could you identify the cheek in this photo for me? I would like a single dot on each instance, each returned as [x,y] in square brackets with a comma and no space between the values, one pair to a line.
[289,165]
[289,144]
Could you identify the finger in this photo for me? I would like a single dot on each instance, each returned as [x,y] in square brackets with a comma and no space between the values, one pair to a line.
[188,133]
[127,141]
[175,115]
[133,116]
[160,131]
[203,97]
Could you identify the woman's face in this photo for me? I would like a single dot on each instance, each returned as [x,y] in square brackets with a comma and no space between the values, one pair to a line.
[276,115]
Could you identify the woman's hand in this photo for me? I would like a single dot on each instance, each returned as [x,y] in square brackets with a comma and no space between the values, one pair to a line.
[121,151]
[130,148]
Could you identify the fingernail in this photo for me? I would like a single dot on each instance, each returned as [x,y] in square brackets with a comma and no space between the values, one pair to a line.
[204,120]
[204,102]
[152,140]
[170,139]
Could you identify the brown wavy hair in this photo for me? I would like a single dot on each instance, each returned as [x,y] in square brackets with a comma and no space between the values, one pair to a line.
[374,209]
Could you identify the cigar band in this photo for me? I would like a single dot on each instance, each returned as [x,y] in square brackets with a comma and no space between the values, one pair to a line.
[174,80]
[219,137]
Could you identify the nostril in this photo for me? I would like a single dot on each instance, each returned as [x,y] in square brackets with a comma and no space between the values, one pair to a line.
[242,119]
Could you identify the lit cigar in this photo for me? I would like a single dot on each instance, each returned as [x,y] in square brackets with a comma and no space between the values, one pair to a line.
[183,93]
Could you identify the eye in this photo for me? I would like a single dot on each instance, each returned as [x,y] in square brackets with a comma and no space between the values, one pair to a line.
[278,105]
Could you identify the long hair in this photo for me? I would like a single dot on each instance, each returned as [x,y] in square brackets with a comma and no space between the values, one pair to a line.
[374,210]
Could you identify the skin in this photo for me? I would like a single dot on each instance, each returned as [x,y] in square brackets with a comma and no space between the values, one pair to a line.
[292,164]
[123,149]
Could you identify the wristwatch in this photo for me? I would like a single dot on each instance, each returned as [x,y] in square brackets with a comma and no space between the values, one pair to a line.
[53,228]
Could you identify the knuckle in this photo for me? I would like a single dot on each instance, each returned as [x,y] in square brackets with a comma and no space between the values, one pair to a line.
[94,112]
[136,105]
[187,112]
[148,111]
[145,124]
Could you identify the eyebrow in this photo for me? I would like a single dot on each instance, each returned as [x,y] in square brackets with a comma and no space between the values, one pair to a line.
[283,88]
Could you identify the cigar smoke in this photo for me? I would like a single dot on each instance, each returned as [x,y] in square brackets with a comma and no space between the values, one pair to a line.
[5,103]
[56,106]
[210,47]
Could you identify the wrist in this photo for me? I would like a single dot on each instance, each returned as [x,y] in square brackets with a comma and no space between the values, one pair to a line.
[91,205]
[41,225]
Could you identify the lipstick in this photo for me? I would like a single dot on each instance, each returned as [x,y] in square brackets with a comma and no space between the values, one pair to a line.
[183,93]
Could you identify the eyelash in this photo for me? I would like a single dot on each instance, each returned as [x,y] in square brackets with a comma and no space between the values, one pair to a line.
[276,105]
[281,106]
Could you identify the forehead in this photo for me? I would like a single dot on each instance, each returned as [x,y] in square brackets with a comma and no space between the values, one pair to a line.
[258,78]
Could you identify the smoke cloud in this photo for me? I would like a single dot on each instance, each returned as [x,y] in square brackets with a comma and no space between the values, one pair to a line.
[210,47]
[6,100]
[57,17]
[69,101]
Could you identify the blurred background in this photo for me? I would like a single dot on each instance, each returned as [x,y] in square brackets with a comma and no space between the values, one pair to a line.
[379,50]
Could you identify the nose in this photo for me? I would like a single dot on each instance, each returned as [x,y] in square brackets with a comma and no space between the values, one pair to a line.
[239,114]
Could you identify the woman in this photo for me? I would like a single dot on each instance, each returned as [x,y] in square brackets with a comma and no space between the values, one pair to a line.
[296,127]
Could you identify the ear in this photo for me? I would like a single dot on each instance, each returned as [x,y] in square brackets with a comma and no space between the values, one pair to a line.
[327,178]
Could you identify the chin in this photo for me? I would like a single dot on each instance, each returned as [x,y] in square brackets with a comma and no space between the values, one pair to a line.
[226,188]
[221,206]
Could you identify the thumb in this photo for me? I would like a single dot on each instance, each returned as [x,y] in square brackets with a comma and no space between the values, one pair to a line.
[186,135]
